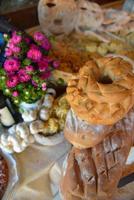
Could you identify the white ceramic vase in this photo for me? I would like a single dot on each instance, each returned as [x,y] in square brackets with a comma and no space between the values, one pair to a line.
[30,106]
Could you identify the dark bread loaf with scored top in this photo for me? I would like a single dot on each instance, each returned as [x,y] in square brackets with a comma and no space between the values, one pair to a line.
[94,173]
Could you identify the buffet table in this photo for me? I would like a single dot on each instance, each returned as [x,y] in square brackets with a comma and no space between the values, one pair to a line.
[40,167]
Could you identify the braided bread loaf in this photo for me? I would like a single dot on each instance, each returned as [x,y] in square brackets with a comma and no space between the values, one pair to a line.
[93,174]
[102,93]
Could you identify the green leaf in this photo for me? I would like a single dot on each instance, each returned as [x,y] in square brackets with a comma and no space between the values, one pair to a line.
[2,71]
[20,87]
[6,37]
[27,62]
[36,79]
[29,86]
[19,33]
[61,81]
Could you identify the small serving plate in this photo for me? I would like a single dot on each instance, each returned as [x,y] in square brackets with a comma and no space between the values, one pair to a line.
[13,175]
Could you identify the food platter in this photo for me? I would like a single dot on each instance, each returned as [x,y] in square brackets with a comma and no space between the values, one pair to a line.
[13,175]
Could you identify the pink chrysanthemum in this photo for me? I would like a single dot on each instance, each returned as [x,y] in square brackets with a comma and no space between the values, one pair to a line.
[34,83]
[10,74]
[39,36]
[44,86]
[16,49]
[34,46]
[15,94]
[12,81]
[27,40]
[47,59]
[16,39]
[43,65]
[11,45]
[46,45]
[45,75]
[8,52]
[29,68]
[27,62]
[23,76]
[34,54]
[11,65]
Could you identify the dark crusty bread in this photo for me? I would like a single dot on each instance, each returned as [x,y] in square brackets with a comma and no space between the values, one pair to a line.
[94,173]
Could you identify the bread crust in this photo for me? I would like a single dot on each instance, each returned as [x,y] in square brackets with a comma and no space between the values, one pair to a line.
[129,169]
[93,174]
[57,17]
[82,134]
[100,101]
[90,16]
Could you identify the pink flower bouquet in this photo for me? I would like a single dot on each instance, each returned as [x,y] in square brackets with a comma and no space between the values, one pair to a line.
[27,67]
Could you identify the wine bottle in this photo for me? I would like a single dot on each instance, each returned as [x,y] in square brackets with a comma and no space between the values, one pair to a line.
[13,110]
[6,117]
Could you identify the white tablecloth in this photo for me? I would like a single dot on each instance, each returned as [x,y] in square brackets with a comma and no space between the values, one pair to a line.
[40,171]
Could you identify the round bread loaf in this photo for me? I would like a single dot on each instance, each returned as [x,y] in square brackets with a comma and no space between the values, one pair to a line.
[90,16]
[103,91]
[116,21]
[94,173]
[82,134]
[57,17]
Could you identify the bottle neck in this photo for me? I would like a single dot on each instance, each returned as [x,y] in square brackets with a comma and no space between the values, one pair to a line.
[2,101]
